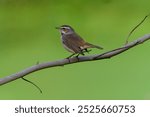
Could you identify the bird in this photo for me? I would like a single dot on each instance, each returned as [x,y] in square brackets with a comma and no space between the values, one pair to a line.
[73,43]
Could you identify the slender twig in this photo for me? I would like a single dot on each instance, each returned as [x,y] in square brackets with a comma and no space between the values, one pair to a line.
[32,84]
[136,28]
[62,62]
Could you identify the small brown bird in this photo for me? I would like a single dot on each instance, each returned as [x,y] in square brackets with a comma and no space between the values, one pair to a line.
[72,42]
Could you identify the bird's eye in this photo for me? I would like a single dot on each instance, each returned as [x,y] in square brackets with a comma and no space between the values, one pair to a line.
[65,30]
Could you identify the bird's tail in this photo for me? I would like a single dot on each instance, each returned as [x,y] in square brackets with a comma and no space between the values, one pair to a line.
[88,45]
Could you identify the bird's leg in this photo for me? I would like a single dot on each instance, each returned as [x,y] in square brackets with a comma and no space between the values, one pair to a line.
[70,56]
[78,56]
[86,50]
[81,52]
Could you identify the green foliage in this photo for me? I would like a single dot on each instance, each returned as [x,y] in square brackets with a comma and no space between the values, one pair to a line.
[28,35]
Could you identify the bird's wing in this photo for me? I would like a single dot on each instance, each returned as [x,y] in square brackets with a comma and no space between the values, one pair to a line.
[74,42]
[82,44]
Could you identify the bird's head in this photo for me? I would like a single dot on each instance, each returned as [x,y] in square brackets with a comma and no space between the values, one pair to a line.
[65,29]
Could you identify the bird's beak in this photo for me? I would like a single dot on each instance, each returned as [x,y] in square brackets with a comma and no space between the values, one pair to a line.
[57,27]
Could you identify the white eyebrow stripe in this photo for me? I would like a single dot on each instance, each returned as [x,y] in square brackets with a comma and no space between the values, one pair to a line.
[66,27]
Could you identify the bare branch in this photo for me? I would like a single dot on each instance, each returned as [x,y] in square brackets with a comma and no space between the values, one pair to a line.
[63,62]
[136,27]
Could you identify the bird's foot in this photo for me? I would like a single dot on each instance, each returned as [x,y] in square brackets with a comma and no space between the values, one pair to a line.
[70,57]
[78,56]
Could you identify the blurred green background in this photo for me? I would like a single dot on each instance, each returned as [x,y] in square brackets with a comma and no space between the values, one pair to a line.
[28,35]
